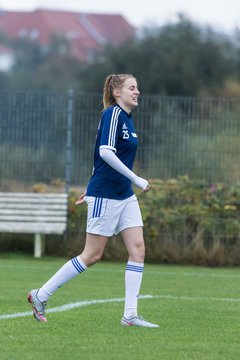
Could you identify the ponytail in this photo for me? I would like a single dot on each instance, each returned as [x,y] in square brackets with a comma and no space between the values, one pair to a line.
[108,98]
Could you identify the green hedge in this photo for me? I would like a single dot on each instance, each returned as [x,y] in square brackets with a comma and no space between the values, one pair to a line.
[185,221]
[191,222]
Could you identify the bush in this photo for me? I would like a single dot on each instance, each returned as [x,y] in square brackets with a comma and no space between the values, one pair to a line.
[191,222]
[185,222]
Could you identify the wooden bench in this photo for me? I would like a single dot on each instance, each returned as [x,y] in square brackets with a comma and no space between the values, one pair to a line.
[33,213]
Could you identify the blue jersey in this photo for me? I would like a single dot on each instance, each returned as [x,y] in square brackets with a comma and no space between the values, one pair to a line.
[116,132]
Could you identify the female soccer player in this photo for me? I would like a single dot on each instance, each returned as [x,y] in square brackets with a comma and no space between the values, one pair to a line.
[112,206]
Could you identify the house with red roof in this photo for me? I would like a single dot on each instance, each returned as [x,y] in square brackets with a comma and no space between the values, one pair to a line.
[86,33]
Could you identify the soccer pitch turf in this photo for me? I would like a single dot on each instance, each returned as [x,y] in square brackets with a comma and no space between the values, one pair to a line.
[198,310]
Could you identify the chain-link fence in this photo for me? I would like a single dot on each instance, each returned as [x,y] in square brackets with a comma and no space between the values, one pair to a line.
[48,137]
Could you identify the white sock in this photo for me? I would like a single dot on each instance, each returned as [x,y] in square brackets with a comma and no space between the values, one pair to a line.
[133,280]
[67,272]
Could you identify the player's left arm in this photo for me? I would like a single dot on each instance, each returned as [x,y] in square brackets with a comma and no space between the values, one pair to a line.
[112,160]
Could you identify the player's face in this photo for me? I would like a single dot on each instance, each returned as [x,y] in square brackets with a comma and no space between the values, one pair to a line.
[127,95]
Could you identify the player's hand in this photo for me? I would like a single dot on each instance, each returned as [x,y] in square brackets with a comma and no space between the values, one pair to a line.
[147,188]
[81,199]
[142,183]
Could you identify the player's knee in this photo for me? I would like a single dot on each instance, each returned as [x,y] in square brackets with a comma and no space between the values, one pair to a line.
[94,258]
[141,247]
[91,258]
[138,252]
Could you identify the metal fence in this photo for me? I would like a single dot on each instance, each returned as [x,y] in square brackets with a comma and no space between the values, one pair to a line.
[48,137]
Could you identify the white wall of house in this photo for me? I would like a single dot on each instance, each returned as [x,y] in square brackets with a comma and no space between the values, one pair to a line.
[6,61]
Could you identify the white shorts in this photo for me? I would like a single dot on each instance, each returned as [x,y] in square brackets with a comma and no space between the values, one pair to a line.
[108,217]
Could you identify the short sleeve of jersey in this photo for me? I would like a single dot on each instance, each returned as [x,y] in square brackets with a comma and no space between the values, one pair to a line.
[109,128]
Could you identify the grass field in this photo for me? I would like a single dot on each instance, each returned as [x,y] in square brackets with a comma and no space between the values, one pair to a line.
[198,310]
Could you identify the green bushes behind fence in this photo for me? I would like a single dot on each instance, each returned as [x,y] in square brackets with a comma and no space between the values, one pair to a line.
[185,221]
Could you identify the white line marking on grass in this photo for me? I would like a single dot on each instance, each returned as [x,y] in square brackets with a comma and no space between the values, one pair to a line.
[71,306]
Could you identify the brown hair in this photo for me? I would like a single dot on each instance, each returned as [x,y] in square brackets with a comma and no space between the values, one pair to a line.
[113,82]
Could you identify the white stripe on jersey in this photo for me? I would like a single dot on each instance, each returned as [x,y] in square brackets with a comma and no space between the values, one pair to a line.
[113,126]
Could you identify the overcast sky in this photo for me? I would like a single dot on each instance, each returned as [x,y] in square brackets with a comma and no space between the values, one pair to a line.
[222,14]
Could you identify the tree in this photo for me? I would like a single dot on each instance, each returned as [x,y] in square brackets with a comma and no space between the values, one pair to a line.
[176,59]
[49,68]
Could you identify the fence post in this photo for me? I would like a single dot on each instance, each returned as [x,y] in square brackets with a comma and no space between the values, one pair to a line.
[70,95]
